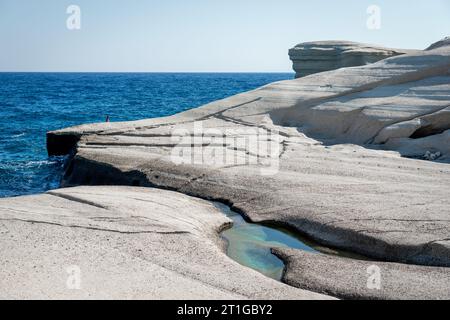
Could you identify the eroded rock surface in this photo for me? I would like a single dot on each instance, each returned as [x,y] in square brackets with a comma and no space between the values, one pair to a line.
[356,279]
[319,56]
[326,174]
[122,243]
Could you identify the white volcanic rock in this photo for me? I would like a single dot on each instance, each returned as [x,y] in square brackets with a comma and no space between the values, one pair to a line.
[408,110]
[332,180]
[358,279]
[318,56]
[123,243]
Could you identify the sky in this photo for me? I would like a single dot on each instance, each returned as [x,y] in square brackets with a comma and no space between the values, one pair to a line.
[201,35]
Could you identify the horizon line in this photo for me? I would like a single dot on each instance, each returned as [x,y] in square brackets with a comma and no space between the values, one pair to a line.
[169,72]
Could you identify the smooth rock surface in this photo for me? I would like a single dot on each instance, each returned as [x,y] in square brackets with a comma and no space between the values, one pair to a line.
[319,56]
[124,243]
[324,174]
[356,279]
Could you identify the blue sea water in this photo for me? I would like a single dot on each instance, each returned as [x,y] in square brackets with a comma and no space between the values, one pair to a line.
[33,103]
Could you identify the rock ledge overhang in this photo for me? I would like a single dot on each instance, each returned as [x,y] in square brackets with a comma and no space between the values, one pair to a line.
[319,56]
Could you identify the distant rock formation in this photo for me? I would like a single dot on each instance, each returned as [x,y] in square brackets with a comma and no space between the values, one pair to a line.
[442,43]
[313,57]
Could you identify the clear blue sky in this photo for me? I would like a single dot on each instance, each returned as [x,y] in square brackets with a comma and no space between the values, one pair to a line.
[200,35]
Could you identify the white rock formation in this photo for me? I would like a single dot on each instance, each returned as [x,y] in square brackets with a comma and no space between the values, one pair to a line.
[332,181]
[122,243]
[318,56]
[358,279]
[441,43]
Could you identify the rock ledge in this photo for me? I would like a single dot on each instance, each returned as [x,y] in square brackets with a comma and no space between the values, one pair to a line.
[319,56]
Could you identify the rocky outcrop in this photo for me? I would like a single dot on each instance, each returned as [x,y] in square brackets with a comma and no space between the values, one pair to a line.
[122,243]
[319,56]
[441,43]
[325,171]
[357,279]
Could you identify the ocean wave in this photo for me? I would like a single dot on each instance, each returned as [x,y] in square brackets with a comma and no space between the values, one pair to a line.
[27,164]
[30,177]
[18,135]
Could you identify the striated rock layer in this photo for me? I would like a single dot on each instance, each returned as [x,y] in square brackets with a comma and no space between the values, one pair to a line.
[318,56]
[327,175]
[356,279]
[122,243]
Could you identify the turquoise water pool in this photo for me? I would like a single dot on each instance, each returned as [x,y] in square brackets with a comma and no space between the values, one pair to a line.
[250,244]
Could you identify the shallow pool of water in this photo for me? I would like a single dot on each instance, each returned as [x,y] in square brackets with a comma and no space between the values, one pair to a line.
[250,244]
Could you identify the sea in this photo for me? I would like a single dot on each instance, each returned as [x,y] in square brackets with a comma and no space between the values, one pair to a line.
[33,103]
